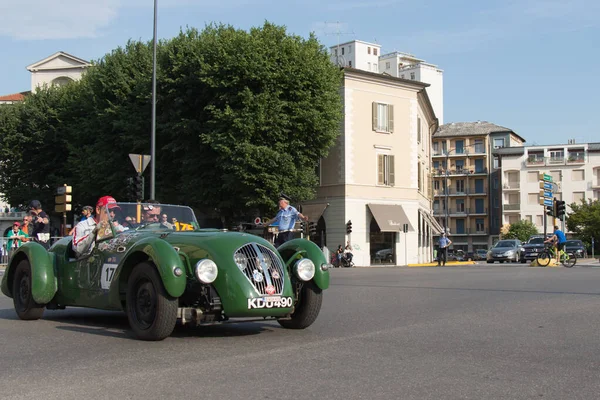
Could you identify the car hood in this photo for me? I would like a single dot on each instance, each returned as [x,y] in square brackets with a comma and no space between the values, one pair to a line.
[533,246]
[502,249]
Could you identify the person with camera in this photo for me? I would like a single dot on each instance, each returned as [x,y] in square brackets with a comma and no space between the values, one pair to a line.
[40,231]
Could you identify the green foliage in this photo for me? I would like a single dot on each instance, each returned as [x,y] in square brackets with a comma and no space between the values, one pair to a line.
[521,230]
[241,117]
[584,222]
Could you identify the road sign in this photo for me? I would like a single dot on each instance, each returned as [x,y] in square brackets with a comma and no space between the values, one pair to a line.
[545,177]
[139,161]
[543,193]
[62,207]
[64,189]
[63,198]
[546,185]
[548,202]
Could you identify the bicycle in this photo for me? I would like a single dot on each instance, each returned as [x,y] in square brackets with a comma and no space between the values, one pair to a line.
[549,252]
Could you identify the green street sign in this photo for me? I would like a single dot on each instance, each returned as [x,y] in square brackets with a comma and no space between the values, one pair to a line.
[548,178]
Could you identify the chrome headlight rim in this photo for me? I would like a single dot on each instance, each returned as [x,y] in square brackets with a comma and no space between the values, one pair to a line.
[206,270]
[304,269]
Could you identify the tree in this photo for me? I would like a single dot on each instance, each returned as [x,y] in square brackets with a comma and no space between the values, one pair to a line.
[584,222]
[521,230]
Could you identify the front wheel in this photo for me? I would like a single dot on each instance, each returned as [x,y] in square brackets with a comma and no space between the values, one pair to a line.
[543,258]
[152,313]
[26,308]
[569,262]
[307,308]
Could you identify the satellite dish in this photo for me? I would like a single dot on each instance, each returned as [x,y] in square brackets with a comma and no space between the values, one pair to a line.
[340,61]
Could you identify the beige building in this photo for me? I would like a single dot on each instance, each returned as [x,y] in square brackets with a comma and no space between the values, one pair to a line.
[378,174]
[466,181]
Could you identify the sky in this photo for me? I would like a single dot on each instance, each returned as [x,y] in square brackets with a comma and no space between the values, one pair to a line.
[529,65]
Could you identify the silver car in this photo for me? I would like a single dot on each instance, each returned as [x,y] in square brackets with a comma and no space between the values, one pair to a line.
[510,250]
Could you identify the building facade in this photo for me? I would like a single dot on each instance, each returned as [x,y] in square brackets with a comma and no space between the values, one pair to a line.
[377,176]
[575,168]
[367,57]
[465,181]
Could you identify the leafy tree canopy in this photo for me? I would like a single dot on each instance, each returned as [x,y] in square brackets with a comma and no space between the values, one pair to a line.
[521,230]
[584,222]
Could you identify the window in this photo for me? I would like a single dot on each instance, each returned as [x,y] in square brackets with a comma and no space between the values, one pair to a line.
[533,198]
[436,205]
[349,49]
[479,148]
[350,63]
[368,66]
[459,147]
[479,227]
[385,170]
[383,117]
[387,65]
[498,143]
[539,220]
[368,50]
[532,177]
[436,185]
[418,130]
[557,155]
[496,162]
[419,172]
[412,76]
[335,52]
[578,175]
[578,196]
[460,205]
[375,67]
[529,218]
[342,51]
[436,147]
[374,51]
[556,176]
[495,183]
[460,186]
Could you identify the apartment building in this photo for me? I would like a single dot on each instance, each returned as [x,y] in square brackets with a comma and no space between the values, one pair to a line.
[465,181]
[575,168]
[378,174]
[367,57]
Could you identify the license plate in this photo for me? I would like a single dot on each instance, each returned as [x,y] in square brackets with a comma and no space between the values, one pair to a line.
[270,302]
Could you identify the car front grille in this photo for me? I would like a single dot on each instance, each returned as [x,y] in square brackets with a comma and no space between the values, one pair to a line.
[262,268]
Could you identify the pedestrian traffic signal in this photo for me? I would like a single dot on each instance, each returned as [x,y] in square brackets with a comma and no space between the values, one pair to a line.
[550,211]
[312,228]
[560,208]
[302,226]
[349,227]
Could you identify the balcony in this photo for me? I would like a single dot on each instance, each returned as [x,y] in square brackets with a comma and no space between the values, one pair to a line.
[453,212]
[460,171]
[12,216]
[477,211]
[535,161]
[465,192]
[512,207]
[511,186]
[574,159]
[555,161]
[469,231]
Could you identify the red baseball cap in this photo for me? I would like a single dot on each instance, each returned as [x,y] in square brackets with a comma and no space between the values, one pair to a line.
[107,201]
[16,223]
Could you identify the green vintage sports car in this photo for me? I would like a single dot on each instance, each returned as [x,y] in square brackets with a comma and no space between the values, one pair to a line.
[159,270]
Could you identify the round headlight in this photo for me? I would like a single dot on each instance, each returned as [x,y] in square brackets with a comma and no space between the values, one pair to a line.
[206,271]
[240,260]
[305,269]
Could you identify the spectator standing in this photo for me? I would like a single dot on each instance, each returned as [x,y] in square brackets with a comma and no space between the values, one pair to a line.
[15,237]
[444,242]
[26,227]
[41,224]
[287,217]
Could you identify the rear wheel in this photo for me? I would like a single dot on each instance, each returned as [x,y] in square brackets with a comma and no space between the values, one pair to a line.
[307,308]
[543,258]
[25,306]
[152,313]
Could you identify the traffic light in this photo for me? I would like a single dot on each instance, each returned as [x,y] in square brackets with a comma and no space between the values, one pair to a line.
[302,226]
[550,211]
[560,208]
[349,227]
[312,228]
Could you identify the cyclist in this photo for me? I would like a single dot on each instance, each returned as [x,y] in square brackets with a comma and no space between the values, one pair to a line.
[558,239]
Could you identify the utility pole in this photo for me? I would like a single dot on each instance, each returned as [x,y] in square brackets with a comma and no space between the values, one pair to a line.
[153,128]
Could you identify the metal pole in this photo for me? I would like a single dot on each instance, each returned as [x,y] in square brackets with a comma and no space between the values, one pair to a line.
[447,189]
[153,129]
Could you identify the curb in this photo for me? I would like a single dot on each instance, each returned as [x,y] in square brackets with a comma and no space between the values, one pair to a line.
[448,264]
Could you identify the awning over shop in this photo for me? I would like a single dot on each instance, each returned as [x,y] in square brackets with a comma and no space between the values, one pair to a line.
[313,211]
[437,228]
[390,218]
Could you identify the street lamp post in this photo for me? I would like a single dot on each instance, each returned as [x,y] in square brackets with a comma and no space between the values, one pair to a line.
[153,123]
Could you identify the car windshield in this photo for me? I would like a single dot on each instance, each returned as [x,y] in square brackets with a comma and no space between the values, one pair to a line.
[574,243]
[536,241]
[151,217]
[505,243]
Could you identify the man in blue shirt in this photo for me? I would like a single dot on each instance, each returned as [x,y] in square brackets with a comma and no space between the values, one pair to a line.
[287,217]
[443,243]
[559,239]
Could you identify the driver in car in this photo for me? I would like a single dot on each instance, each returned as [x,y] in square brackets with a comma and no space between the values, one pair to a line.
[85,231]
[151,212]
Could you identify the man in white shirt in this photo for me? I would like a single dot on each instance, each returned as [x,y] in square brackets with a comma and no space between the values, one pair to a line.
[85,231]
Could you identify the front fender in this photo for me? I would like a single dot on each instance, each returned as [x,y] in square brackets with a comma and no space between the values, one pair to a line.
[288,249]
[43,278]
[166,259]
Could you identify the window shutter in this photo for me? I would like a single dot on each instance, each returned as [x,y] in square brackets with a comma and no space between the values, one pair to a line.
[374,107]
[380,169]
[391,178]
[390,117]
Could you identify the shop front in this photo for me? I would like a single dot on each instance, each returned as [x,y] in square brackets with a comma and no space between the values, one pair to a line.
[387,221]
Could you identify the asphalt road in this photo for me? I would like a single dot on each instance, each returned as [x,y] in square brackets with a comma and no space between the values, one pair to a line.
[477,332]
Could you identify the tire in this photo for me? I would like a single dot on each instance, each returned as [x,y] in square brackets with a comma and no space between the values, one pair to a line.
[570,262]
[543,258]
[306,310]
[490,262]
[151,312]
[517,258]
[26,308]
